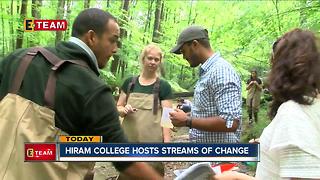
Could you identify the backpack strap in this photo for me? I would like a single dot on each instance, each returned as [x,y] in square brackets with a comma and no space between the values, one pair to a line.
[131,86]
[49,93]
[156,91]
[17,80]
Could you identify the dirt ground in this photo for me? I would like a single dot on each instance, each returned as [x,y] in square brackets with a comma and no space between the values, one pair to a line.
[105,170]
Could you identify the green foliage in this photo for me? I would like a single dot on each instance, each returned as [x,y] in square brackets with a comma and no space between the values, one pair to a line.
[108,77]
[254,130]
[242,31]
[175,87]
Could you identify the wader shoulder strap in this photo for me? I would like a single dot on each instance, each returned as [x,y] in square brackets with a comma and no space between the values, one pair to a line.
[156,91]
[131,86]
[49,93]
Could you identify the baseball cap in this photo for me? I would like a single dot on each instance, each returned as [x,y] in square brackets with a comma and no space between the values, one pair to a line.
[188,34]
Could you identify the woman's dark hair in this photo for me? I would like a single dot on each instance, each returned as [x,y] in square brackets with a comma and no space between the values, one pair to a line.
[253,70]
[295,69]
[91,19]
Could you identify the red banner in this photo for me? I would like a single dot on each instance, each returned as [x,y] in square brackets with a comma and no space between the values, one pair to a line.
[45,25]
[40,152]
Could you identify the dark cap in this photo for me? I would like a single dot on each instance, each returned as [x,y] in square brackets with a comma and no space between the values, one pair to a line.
[188,34]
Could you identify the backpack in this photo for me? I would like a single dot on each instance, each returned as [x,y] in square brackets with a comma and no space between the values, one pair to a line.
[24,121]
[155,91]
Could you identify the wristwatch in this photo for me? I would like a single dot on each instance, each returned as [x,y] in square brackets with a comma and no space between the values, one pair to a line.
[189,121]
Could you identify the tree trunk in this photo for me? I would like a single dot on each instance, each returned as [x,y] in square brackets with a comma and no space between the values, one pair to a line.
[190,12]
[35,9]
[303,15]
[2,29]
[108,3]
[168,11]
[175,16]
[86,4]
[156,27]
[161,16]
[67,32]
[125,8]
[20,31]
[123,67]
[171,70]
[148,20]
[12,38]
[123,33]
[194,19]
[114,64]
[18,6]
[36,14]
[181,74]
[60,13]
[275,2]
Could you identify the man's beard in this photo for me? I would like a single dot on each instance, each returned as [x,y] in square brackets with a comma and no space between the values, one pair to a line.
[194,60]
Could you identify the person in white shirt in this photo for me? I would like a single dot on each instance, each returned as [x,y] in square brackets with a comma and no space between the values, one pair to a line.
[290,144]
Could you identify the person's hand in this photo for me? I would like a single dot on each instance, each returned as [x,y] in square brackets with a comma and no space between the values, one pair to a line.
[166,139]
[129,109]
[178,118]
[232,175]
[254,140]
[251,83]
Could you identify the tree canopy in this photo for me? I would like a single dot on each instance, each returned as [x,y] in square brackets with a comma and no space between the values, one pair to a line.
[242,31]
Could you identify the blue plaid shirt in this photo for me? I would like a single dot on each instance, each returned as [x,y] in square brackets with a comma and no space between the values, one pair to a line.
[217,93]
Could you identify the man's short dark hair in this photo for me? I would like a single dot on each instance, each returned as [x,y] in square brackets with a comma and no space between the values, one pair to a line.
[204,42]
[91,19]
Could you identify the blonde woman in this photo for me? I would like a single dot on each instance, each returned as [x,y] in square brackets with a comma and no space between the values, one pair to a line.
[142,98]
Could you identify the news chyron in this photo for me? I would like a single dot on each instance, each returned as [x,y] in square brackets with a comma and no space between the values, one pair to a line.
[31,25]
[49,151]
[91,148]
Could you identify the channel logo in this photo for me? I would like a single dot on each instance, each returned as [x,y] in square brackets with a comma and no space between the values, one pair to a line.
[31,25]
[40,152]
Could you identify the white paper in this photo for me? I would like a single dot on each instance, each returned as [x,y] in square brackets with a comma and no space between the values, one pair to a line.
[165,120]
[197,171]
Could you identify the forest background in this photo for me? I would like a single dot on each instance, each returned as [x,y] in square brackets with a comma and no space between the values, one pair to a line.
[242,31]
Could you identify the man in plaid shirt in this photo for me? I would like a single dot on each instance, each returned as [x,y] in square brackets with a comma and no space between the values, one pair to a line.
[216,108]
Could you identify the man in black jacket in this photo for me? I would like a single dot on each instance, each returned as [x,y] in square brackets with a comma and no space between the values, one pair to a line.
[83,102]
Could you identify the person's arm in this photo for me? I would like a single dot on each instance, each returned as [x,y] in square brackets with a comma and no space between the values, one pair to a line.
[121,104]
[228,100]
[140,170]
[232,175]
[212,124]
[166,131]
[249,85]
[258,85]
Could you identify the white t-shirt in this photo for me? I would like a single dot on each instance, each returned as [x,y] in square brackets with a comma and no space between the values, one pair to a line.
[290,144]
